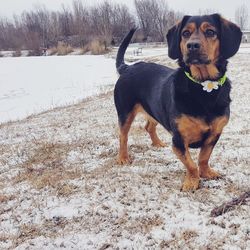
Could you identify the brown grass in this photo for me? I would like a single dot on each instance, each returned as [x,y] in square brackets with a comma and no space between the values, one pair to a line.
[52,51]
[96,47]
[66,189]
[17,53]
[49,228]
[4,237]
[178,241]
[62,49]
[45,167]
[5,198]
[46,153]
[144,224]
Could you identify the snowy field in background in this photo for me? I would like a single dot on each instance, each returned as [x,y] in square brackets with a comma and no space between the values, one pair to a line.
[31,85]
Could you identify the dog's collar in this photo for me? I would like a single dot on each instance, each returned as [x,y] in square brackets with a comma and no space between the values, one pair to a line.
[208,85]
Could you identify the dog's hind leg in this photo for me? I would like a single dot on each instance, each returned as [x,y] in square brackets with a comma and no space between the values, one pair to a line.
[123,157]
[151,129]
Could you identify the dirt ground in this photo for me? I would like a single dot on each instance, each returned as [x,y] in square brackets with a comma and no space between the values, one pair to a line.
[60,186]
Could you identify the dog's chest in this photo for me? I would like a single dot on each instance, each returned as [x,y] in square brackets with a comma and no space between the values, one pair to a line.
[195,130]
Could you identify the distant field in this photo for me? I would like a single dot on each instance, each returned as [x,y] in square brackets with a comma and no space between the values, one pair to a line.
[35,84]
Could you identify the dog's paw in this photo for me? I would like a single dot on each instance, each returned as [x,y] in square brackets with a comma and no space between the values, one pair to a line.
[209,173]
[123,160]
[159,144]
[190,184]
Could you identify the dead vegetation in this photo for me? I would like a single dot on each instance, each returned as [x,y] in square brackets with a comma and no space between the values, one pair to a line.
[6,198]
[45,167]
[95,47]
[49,228]
[62,49]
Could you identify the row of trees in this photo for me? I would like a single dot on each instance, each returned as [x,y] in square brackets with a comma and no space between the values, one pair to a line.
[78,25]
[241,16]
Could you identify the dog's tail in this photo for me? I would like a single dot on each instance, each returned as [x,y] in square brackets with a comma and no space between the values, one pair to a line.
[120,64]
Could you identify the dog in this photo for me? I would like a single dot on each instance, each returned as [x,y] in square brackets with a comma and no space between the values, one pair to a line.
[191,102]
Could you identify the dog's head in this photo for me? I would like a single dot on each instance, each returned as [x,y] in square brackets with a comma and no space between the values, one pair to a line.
[198,40]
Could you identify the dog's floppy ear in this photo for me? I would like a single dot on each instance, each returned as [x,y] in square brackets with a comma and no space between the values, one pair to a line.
[174,39]
[230,37]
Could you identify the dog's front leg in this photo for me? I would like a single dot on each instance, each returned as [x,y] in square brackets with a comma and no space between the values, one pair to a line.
[206,150]
[192,178]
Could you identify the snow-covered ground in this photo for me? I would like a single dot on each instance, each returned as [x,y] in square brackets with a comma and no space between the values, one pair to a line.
[60,186]
[33,84]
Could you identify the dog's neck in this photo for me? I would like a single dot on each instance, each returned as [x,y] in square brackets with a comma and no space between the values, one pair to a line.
[203,72]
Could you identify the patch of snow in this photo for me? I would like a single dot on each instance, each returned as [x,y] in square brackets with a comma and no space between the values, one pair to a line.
[34,84]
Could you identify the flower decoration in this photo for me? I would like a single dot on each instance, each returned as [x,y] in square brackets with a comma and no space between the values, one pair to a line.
[209,85]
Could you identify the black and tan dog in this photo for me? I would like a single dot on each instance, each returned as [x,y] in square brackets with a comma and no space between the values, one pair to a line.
[191,102]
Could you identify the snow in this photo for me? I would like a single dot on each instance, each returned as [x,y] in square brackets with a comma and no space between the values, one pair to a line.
[33,84]
[60,185]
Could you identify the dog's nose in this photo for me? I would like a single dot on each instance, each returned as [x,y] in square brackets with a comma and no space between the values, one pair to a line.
[193,46]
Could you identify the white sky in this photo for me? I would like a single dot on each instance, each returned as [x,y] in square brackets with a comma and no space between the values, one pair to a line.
[225,7]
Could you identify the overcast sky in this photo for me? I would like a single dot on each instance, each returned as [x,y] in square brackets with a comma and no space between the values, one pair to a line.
[225,7]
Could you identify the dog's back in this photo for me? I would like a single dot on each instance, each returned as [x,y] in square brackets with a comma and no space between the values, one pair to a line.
[141,83]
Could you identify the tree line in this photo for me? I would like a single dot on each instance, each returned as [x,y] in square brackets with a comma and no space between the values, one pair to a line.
[80,24]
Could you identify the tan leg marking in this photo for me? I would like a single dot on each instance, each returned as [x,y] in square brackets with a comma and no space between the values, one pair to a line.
[192,178]
[123,157]
[151,129]
[205,170]
[191,130]
[216,129]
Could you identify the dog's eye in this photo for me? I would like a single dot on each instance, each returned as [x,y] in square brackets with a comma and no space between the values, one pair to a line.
[210,33]
[186,34]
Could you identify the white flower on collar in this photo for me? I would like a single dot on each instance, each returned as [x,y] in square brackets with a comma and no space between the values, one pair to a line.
[209,85]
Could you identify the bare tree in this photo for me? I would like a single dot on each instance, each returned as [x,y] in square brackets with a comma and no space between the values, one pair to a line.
[155,18]
[81,18]
[65,21]
[144,15]
[122,21]
[241,16]
[109,21]
[79,25]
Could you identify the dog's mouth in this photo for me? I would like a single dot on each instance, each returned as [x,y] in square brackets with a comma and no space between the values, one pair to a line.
[196,59]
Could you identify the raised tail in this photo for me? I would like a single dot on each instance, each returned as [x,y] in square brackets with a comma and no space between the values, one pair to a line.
[120,64]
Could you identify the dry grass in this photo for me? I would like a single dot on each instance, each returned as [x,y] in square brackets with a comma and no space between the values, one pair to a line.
[52,51]
[5,198]
[45,167]
[46,153]
[17,53]
[144,224]
[66,189]
[180,241]
[49,228]
[96,47]
[62,49]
